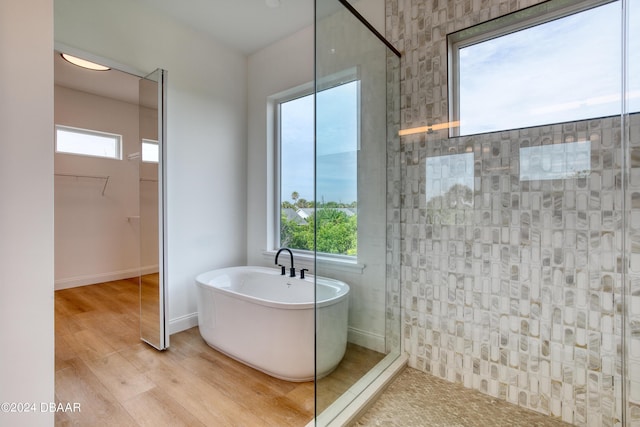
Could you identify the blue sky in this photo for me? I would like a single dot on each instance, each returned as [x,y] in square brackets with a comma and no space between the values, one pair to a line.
[337,145]
[297,148]
[563,70]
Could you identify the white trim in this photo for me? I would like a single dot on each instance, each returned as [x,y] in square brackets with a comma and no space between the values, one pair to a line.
[290,94]
[338,78]
[65,48]
[92,279]
[306,260]
[183,323]
[367,339]
[149,269]
[357,336]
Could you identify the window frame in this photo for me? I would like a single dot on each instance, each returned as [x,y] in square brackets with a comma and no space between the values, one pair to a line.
[337,79]
[278,100]
[517,21]
[89,132]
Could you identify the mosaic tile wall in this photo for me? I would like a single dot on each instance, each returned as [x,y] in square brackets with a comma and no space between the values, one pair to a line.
[511,279]
[632,247]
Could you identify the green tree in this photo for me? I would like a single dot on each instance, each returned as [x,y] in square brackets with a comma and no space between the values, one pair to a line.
[335,233]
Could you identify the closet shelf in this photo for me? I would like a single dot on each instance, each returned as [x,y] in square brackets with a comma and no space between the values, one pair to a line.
[106,178]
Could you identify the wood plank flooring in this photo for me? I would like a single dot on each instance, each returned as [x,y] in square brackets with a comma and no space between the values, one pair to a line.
[118,380]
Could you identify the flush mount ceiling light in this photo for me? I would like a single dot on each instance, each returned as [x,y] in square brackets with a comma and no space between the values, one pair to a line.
[273,3]
[84,63]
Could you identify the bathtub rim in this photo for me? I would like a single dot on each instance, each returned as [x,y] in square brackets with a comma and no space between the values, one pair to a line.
[203,280]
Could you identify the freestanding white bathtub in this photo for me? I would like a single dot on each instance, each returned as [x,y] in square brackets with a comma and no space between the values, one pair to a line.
[266,320]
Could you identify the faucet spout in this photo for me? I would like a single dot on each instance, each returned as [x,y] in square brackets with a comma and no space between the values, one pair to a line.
[292,270]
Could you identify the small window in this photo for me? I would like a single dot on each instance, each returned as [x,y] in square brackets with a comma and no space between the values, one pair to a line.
[87,142]
[150,151]
[545,64]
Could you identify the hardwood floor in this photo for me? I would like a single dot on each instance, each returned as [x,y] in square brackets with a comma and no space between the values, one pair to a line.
[102,365]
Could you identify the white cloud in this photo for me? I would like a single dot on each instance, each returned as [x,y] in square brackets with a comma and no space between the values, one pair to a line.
[564,70]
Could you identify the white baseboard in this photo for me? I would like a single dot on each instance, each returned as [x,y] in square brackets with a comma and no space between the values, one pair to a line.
[366,339]
[362,338]
[92,279]
[183,323]
[149,269]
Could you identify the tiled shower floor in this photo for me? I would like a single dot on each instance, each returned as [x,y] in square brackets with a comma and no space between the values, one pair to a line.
[415,398]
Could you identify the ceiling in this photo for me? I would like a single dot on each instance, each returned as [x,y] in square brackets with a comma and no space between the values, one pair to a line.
[242,25]
[111,84]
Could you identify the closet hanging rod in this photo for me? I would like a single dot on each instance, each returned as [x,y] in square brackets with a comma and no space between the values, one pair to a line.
[106,178]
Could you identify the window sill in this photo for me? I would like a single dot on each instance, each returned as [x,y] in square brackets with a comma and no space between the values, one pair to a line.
[303,260]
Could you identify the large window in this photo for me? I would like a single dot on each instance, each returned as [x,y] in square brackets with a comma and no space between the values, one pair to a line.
[87,142]
[552,64]
[336,170]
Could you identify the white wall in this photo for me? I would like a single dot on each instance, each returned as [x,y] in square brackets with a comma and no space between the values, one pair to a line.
[373,11]
[206,126]
[95,239]
[26,208]
[274,69]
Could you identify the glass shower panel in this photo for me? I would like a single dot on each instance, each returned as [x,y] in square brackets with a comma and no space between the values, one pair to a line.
[631,150]
[357,215]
